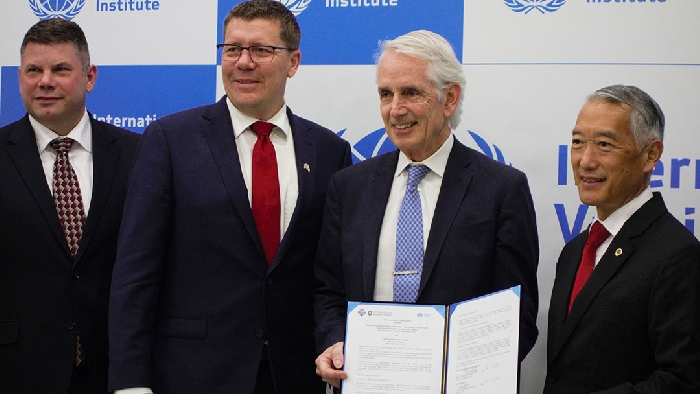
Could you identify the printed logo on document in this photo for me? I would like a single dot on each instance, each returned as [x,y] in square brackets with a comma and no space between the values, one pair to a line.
[543,6]
[296,6]
[66,9]
[361,312]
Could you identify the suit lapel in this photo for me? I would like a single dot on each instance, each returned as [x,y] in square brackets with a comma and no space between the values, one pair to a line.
[454,187]
[375,201]
[305,156]
[609,264]
[218,131]
[566,272]
[105,159]
[617,254]
[25,154]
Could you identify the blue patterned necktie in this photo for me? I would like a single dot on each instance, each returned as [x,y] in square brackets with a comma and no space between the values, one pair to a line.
[409,239]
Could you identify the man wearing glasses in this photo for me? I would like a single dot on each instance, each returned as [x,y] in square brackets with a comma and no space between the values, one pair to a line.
[212,288]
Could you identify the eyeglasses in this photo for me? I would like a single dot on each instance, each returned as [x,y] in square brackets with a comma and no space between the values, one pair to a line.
[258,53]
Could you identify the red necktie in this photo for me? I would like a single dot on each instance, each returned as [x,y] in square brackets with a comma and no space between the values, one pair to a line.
[596,236]
[266,190]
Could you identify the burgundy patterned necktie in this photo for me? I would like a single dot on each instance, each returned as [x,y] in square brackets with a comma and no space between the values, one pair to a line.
[266,190]
[69,205]
[596,236]
[66,195]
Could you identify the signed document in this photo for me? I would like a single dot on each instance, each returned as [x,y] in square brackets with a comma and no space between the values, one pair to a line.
[468,347]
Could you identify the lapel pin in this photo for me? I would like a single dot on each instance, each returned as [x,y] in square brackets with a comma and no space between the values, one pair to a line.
[618,252]
[306,167]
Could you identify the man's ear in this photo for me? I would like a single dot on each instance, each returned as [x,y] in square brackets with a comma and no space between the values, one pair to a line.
[652,154]
[294,60]
[452,94]
[91,78]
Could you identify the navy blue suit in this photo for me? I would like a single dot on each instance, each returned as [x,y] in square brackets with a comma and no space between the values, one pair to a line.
[47,297]
[635,325]
[193,297]
[483,238]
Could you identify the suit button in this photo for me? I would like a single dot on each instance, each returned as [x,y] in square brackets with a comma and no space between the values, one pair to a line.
[76,274]
[70,325]
[259,333]
[269,281]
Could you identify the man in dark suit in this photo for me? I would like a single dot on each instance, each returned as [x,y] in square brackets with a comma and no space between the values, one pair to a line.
[477,213]
[625,311]
[206,298]
[56,261]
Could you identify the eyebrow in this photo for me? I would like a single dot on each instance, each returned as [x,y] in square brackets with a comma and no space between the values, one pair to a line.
[62,64]
[401,88]
[59,64]
[604,133]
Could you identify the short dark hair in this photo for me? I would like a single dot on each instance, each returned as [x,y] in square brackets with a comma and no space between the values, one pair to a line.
[58,31]
[290,32]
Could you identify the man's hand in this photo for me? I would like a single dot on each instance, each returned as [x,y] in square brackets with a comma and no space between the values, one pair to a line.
[329,364]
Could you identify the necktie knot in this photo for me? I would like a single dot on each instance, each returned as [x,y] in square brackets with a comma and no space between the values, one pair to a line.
[597,235]
[262,129]
[61,145]
[415,175]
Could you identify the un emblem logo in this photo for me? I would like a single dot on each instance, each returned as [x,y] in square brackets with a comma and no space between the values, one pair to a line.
[377,143]
[296,6]
[66,9]
[540,5]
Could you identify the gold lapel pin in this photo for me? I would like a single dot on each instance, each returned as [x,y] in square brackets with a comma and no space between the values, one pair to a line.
[306,167]
[618,252]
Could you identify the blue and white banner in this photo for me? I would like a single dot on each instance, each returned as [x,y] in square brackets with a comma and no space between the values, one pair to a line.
[347,31]
[529,65]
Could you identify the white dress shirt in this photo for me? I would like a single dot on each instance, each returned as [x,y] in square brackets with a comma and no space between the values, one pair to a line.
[429,190]
[80,155]
[617,219]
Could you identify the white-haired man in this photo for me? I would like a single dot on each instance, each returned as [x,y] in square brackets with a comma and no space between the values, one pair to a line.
[477,214]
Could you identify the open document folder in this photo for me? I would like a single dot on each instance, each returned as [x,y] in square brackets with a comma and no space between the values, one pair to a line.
[470,347]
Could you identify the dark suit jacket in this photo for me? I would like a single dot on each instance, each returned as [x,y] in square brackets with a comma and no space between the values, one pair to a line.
[46,297]
[635,325]
[483,238]
[193,298]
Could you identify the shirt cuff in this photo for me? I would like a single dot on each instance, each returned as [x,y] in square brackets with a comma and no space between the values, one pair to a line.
[134,390]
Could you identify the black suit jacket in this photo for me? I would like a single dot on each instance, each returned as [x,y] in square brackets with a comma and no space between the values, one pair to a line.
[483,238]
[46,297]
[635,325]
[193,299]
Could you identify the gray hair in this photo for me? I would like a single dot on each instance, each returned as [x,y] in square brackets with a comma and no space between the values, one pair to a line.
[443,66]
[647,120]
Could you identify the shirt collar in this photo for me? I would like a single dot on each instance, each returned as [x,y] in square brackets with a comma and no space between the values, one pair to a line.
[436,162]
[81,133]
[617,219]
[241,121]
